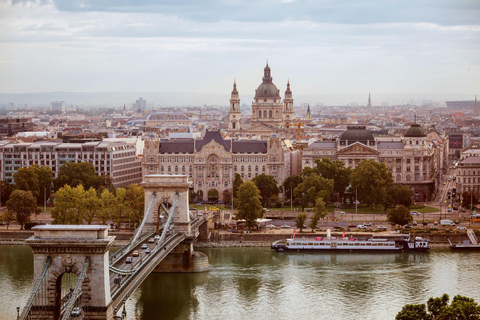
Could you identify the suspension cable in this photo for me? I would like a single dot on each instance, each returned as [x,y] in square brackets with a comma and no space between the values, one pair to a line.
[38,283]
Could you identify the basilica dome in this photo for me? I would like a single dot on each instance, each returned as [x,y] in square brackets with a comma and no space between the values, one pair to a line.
[267,89]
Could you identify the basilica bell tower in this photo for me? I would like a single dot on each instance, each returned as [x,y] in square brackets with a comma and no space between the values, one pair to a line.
[234,114]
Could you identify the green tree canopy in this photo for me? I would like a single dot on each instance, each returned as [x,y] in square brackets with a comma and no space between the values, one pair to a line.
[289,184]
[400,215]
[69,205]
[35,179]
[312,187]
[135,198]
[335,170]
[461,308]
[300,220]
[372,180]
[249,204]
[469,197]
[227,197]
[22,204]
[83,173]
[319,212]
[268,187]
[237,182]
[402,195]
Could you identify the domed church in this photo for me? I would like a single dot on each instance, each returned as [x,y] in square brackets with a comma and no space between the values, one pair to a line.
[269,113]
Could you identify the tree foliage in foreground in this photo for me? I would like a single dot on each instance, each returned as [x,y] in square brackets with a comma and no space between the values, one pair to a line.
[461,308]
[372,181]
[22,204]
[249,203]
[400,215]
[300,220]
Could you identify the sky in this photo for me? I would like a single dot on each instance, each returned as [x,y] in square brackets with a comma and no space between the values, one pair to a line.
[201,46]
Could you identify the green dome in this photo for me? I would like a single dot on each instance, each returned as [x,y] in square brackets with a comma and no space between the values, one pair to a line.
[415,130]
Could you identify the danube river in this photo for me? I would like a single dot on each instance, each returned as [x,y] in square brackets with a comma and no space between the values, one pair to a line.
[257,283]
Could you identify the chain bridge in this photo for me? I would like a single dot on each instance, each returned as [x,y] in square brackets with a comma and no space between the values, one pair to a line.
[76,277]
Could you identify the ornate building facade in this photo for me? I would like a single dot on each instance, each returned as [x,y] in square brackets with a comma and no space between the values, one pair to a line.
[212,162]
[412,159]
[269,113]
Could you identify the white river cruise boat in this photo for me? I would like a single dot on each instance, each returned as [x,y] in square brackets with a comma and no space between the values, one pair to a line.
[373,244]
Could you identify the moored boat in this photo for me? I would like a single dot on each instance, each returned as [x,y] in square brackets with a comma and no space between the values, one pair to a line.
[466,245]
[372,244]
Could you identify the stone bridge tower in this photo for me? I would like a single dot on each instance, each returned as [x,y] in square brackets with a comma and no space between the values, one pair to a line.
[68,246]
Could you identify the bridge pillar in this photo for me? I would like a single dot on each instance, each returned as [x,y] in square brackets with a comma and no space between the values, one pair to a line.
[68,246]
[165,187]
[184,259]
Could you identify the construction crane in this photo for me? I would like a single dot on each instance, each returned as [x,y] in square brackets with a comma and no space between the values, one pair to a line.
[299,125]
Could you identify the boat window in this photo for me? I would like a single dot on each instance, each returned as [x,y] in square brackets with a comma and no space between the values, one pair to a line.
[310,243]
[374,244]
[369,244]
[357,244]
[322,243]
[380,244]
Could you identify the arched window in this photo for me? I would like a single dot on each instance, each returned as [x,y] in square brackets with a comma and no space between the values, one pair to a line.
[270,114]
[264,113]
[233,125]
[399,178]
[408,178]
[259,114]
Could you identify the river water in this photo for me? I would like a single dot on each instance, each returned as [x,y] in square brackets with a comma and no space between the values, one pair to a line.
[257,283]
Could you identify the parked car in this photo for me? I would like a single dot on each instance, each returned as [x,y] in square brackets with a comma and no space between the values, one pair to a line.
[435,223]
[414,223]
[433,227]
[414,213]
[449,210]
[144,246]
[135,253]
[367,224]
[382,227]
[455,208]
[76,312]
[266,209]
[128,260]
[270,226]
[352,226]
[425,223]
[361,226]
[342,212]
[285,226]
[461,228]
[407,227]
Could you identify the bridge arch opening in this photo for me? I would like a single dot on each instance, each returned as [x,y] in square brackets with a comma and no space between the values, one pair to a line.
[162,216]
[64,286]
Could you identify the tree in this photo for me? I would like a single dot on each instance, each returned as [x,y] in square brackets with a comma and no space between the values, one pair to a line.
[399,215]
[6,190]
[227,197]
[106,206]
[91,204]
[23,204]
[469,197]
[120,208]
[69,205]
[83,173]
[249,203]
[320,212]
[8,217]
[335,170]
[26,179]
[402,195]
[35,179]
[372,180]
[289,184]
[237,182]
[268,187]
[300,220]
[312,187]
[135,198]
[463,308]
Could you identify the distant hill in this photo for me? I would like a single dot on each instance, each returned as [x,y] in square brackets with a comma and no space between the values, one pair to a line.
[167,99]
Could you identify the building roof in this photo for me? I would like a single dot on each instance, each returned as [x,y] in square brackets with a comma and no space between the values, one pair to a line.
[249,146]
[322,145]
[165,116]
[177,146]
[212,135]
[390,145]
[470,160]
[415,130]
[356,133]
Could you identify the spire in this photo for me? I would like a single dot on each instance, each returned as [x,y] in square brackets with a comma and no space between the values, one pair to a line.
[266,74]
[234,91]
[308,108]
[415,121]
[369,101]
[288,91]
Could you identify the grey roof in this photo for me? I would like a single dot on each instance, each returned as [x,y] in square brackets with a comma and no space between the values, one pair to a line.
[177,146]
[356,133]
[246,146]
[322,145]
[390,145]
[470,160]
[212,135]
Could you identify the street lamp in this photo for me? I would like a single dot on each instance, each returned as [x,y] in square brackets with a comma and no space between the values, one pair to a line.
[423,212]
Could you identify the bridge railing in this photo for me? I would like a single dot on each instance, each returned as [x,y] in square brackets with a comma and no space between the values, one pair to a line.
[126,249]
[159,254]
[77,291]
[41,278]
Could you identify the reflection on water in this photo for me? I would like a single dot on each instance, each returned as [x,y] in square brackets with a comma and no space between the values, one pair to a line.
[257,283]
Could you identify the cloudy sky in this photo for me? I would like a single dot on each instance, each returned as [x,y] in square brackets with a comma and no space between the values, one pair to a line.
[200,46]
